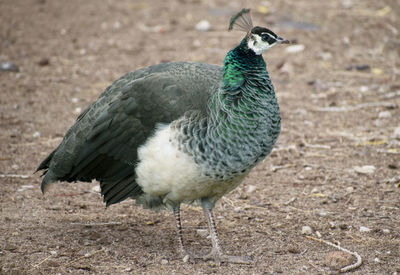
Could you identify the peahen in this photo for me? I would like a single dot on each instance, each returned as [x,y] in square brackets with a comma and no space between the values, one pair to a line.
[177,132]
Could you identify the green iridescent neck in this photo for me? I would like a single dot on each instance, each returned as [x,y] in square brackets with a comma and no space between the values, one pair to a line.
[241,63]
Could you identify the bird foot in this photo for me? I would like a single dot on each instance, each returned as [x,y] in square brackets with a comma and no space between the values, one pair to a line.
[219,258]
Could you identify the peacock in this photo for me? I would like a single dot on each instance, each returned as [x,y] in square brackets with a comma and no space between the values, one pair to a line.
[177,132]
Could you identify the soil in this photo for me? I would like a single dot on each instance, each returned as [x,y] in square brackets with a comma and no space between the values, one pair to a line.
[334,169]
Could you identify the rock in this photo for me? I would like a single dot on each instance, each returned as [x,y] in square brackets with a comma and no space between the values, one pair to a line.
[96,188]
[306,230]
[295,48]
[386,231]
[338,259]
[364,229]
[8,67]
[164,261]
[36,134]
[203,25]
[366,169]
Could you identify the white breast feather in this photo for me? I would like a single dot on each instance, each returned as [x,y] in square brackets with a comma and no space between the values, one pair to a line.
[164,171]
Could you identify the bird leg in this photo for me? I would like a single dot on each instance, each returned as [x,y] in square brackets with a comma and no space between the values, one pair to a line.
[216,253]
[177,214]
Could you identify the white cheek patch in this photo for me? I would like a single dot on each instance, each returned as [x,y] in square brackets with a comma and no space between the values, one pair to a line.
[257,45]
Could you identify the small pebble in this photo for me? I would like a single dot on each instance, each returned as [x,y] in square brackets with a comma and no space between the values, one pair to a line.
[396,133]
[366,169]
[251,188]
[164,261]
[376,260]
[295,48]
[349,189]
[318,234]
[306,230]
[96,188]
[128,269]
[364,229]
[117,25]
[77,110]
[203,25]
[202,232]
[8,67]
[44,61]
[386,231]
[36,134]
[53,253]
[385,114]
[343,226]
[323,214]
[315,190]
[74,100]
[361,68]
[186,258]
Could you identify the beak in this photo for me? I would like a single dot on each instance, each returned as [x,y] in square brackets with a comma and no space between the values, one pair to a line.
[282,40]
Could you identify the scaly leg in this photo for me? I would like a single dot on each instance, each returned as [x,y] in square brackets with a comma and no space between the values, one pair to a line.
[177,214]
[216,253]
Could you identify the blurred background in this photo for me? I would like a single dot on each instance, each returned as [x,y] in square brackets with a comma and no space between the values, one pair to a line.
[334,174]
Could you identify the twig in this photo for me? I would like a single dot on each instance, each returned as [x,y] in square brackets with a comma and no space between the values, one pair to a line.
[317,146]
[87,255]
[42,261]
[355,107]
[357,264]
[14,176]
[96,224]
[279,167]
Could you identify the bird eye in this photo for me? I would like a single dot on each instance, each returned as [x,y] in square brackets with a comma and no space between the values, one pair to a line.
[268,38]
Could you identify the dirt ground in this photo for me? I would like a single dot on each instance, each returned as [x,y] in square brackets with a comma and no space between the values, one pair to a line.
[335,168]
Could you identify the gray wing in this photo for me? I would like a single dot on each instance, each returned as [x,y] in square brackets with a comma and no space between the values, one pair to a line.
[103,142]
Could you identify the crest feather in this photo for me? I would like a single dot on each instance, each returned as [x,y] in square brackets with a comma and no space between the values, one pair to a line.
[241,21]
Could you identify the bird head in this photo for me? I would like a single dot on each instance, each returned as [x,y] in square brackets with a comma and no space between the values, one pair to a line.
[259,39]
